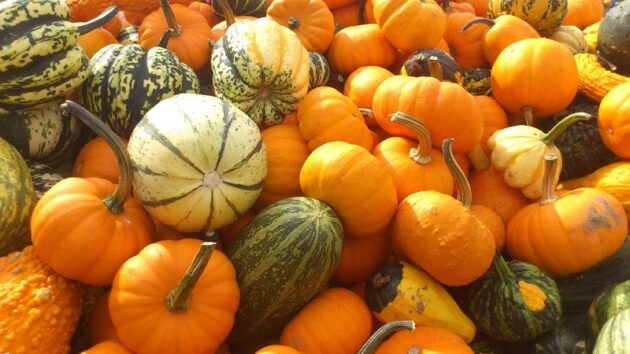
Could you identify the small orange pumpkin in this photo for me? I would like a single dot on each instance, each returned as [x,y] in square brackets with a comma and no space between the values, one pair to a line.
[466,46]
[206,11]
[357,46]
[351,15]
[614,120]
[97,159]
[493,222]
[361,85]
[107,347]
[311,20]
[361,257]
[480,6]
[278,349]
[100,326]
[432,340]
[494,118]
[583,13]
[94,40]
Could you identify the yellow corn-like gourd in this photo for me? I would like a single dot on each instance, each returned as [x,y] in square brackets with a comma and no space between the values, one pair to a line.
[590,34]
[595,80]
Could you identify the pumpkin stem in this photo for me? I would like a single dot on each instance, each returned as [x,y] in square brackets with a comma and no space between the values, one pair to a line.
[479,159]
[464,194]
[375,339]
[446,5]
[422,154]
[165,37]
[362,17]
[562,125]
[435,69]
[549,180]
[367,113]
[170,17]
[98,21]
[528,113]
[485,21]
[228,14]
[114,202]
[501,267]
[293,22]
[178,299]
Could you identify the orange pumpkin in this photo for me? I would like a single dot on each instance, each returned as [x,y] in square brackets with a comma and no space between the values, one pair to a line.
[583,13]
[85,10]
[466,46]
[493,222]
[480,6]
[100,326]
[97,159]
[206,11]
[494,118]
[163,232]
[431,340]
[278,349]
[339,316]
[354,183]
[175,297]
[357,46]
[443,46]
[144,7]
[361,85]
[114,25]
[96,223]
[228,233]
[361,257]
[614,120]
[350,15]
[335,4]
[94,40]
[311,20]
[107,347]
[451,7]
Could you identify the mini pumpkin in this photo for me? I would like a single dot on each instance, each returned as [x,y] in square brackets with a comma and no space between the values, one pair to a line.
[94,40]
[361,85]
[310,20]
[357,46]
[570,37]
[97,159]
[583,13]
[361,257]
[430,339]
[614,120]
[466,46]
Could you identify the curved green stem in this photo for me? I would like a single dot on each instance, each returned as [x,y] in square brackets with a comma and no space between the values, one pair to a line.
[562,125]
[479,159]
[170,18]
[485,21]
[178,299]
[464,194]
[435,69]
[501,267]
[549,180]
[227,12]
[375,339]
[422,154]
[115,201]
[99,20]
[293,23]
[165,37]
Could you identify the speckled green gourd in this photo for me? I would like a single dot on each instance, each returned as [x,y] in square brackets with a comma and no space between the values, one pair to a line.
[614,337]
[544,15]
[610,302]
[44,177]
[319,70]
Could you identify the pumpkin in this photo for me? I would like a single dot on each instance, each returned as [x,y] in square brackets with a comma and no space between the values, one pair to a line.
[493,222]
[607,304]
[319,70]
[587,224]
[440,106]
[534,77]
[337,173]
[595,80]
[341,318]
[40,60]
[40,308]
[357,46]
[383,332]
[44,177]
[408,24]
[583,13]
[612,40]
[93,41]
[477,82]
[85,10]
[520,297]
[571,37]
[544,16]
[353,14]
[613,338]
[326,115]
[419,64]
[206,10]
[430,339]
[100,326]
[456,7]
[227,234]
[107,347]
[140,8]
[614,120]
[361,257]
[494,118]
[277,349]
[97,159]
[266,87]
[187,284]
[310,20]
[189,30]
[414,166]
[481,7]
[254,8]
[293,244]
[430,226]
[90,217]
[466,46]
[361,85]
[200,186]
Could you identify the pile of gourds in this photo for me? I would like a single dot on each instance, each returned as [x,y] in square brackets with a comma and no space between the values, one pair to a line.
[314,176]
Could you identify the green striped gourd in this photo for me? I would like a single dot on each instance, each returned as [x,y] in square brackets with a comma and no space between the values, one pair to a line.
[125,81]
[283,258]
[611,301]
[255,8]
[319,70]
[262,68]
[614,338]
[43,134]
[198,162]
[545,16]
[44,177]
[17,200]
[40,60]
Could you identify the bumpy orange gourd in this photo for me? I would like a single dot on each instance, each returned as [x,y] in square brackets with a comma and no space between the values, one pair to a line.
[108,347]
[339,316]
[146,6]
[466,46]
[429,339]
[310,20]
[583,13]
[357,46]
[352,182]
[85,10]
[97,159]
[362,83]
[494,118]
[614,120]
[361,257]
[94,40]
[40,309]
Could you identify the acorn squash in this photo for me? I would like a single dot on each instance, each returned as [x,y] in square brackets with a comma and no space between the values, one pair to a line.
[418,65]
[614,32]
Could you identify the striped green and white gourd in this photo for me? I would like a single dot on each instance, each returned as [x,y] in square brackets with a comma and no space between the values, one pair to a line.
[44,134]
[44,177]
[255,8]
[614,338]
[126,81]
[608,303]
[319,70]
[544,15]
[283,258]
[198,162]
[17,200]
[40,60]
[262,68]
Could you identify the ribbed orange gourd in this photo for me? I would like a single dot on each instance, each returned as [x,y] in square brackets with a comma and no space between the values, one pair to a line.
[466,46]
[94,40]
[614,120]
[357,46]
[567,234]
[354,183]
[310,20]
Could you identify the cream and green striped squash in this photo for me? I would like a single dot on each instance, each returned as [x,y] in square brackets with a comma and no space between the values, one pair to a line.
[283,258]
[40,60]
[544,15]
[44,177]
[262,68]
[614,338]
[319,71]
[126,81]
[17,200]
[255,8]
[198,162]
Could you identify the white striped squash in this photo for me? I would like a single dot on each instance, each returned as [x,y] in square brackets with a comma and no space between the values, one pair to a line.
[198,162]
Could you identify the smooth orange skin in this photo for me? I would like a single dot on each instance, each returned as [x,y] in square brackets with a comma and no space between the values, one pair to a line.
[466,46]
[352,182]
[494,118]
[537,72]
[316,23]
[507,29]
[74,232]
[94,40]
[480,6]
[278,349]
[583,13]
[443,46]
[445,108]
[361,257]
[489,189]
[108,347]
[438,234]
[570,234]
[362,83]
[357,46]
[493,222]
[614,120]
[334,4]
[115,24]
[348,15]
[341,319]
[138,308]
[427,339]
[100,326]
[456,7]
[206,11]
[97,159]
[146,6]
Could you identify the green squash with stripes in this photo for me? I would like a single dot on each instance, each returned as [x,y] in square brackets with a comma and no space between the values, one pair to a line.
[126,81]
[319,70]
[17,200]
[262,68]
[614,338]
[283,258]
[198,162]
[44,177]
[255,8]
[514,301]
[40,60]
[610,302]
[545,16]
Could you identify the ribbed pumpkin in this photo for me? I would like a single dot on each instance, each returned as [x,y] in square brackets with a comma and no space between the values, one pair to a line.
[97,159]
[203,183]
[572,38]
[361,257]
[362,83]
[93,41]
[544,16]
[614,120]
[351,14]
[583,13]
[354,183]
[430,339]
[494,118]
[357,46]
[262,68]
[310,20]
[107,347]
[206,10]
[278,349]
[466,46]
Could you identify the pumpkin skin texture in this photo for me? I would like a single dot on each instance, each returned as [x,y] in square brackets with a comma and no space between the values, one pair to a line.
[262,68]
[94,40]
[206,10]
[361,257]
[504,30]
[614,120]
[494,118]
[362,83]
[493,222]
[544,16]
[427,339]
[107,347]
[96,159]
[409,24]
[489,189]
[311,20]
[583,13]
[538,73]
[31,292]
[357,46]
[466,46]
[142,284]
[337,173]
[339,315]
